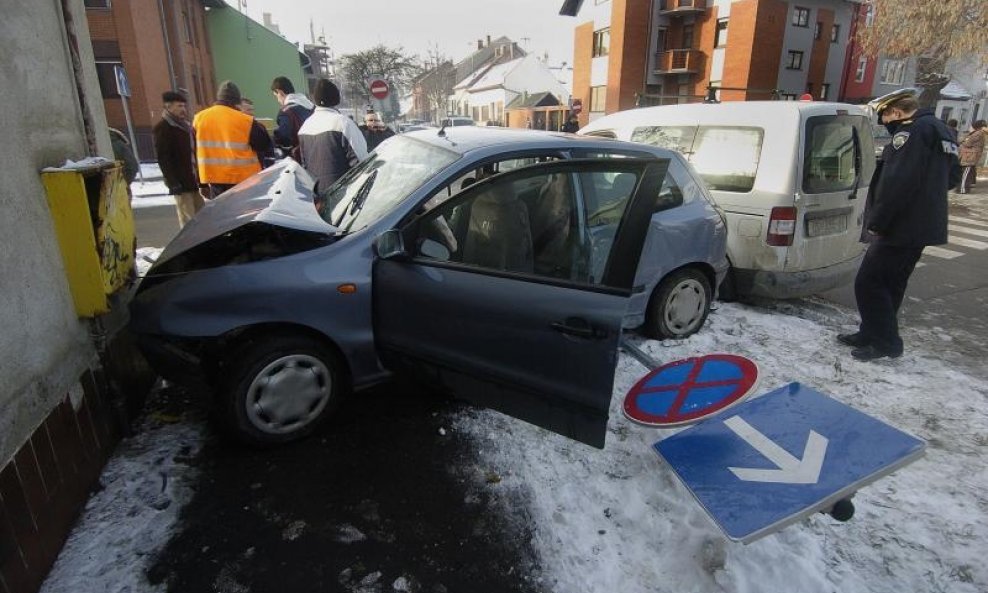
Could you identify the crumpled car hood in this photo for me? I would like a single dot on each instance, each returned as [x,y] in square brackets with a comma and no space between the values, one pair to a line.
[281,195]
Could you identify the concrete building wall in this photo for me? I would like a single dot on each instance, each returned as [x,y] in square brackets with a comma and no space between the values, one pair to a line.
[43,346]
[249,54]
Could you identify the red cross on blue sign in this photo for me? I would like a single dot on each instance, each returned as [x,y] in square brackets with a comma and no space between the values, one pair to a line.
[689,390]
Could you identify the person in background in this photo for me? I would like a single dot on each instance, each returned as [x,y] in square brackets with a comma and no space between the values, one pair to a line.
[374,130]
[247,106]
[906,210]
[173,145]
[123,153]
[952,126]
[571,126]
[330,143]
[295,109]
[229,143]
[971,150]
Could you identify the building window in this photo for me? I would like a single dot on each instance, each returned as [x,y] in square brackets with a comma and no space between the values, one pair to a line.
[893,71]
[824,91]
[187,22]
[97,3]
[598,96]
[816,30]
[794,61]
[107,78]
[835,34]
[601,42]
[720,37]
[687,37]
[801,17]
[869,15]
[859,75]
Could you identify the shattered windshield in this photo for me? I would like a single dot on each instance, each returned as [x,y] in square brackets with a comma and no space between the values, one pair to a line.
[378,184]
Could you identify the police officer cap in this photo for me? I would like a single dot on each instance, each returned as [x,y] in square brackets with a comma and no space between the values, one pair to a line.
[880,104]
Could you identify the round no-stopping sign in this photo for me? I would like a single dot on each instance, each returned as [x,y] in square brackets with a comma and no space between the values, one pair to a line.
[689,390]
[379,89]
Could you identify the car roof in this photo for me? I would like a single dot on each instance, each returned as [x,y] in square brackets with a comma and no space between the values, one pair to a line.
[738,113]
[467,139]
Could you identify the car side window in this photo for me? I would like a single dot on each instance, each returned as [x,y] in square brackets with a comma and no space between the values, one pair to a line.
[832,156]
[558,225]
[486,171]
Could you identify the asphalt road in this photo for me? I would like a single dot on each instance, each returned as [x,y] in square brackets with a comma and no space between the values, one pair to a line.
[155,225]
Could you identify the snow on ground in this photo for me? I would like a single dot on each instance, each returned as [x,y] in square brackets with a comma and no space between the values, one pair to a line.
[143,489]
[151,191]
[618,519]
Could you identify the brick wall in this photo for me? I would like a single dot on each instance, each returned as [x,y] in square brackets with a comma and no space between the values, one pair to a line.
[705,33]
[751,62]
[817,72]
[582,56]
[48,481]
[628,53]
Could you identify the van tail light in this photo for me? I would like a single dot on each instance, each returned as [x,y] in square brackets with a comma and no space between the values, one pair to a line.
[781,227]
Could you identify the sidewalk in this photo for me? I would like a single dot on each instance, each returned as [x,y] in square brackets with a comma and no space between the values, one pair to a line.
[152,191]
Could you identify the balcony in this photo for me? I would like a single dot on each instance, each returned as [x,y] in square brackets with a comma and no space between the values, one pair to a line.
[682,7]
[678,61]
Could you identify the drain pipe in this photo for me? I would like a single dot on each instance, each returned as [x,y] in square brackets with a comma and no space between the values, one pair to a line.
[77,75]
[168,45]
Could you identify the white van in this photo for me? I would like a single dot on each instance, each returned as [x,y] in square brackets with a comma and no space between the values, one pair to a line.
[790,177]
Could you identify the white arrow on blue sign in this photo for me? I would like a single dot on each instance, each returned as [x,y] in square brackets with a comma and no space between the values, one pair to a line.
[786,455]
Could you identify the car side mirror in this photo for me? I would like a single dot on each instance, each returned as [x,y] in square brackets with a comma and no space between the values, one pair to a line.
[390,245]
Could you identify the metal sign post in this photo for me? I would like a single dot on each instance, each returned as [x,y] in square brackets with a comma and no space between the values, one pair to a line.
[123,89]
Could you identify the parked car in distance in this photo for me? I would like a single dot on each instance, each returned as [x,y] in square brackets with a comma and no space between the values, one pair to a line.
[791,178]
[501,264]
[455,121]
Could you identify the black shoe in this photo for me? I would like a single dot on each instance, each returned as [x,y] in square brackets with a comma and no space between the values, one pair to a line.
[856,340]
[871,352]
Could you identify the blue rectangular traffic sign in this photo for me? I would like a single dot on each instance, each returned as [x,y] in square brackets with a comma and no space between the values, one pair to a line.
[778,458]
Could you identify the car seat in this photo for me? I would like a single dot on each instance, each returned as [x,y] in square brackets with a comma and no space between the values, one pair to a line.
[498,233]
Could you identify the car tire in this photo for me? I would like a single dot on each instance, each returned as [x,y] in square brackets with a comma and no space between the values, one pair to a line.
[679,305]
[279,389]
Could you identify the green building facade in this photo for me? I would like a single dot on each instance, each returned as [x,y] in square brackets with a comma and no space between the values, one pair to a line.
[250,55]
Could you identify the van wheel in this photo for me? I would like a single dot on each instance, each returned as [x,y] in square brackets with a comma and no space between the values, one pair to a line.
[679,305]
[279,389]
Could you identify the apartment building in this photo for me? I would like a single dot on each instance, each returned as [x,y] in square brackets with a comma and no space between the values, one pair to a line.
[162,45]
[630,53]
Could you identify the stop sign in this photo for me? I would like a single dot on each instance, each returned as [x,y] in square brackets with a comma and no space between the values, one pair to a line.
[379,89]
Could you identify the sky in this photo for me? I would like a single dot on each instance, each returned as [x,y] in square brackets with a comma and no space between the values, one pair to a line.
[419,25]
[618,519]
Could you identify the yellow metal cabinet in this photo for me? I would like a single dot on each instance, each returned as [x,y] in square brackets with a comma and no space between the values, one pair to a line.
[94,224]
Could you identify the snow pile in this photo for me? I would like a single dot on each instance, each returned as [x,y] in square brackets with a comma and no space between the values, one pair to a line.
[619,520]
[143,488]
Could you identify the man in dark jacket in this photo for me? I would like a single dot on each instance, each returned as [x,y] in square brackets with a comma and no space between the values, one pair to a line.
[374,130]
[295,109]
[906,211]
[173,145]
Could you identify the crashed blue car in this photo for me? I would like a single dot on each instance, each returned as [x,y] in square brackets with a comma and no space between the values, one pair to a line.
[501,264]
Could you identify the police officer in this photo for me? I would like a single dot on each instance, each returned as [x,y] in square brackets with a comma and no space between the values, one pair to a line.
[906,211]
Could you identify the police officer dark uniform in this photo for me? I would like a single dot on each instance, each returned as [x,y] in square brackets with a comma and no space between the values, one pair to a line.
[906,211]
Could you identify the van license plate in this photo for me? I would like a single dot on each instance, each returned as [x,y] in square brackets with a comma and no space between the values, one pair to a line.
[830,225]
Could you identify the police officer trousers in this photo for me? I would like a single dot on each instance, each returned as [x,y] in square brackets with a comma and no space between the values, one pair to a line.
[879,288]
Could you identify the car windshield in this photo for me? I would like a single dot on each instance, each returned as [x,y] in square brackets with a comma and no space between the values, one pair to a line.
[378,184]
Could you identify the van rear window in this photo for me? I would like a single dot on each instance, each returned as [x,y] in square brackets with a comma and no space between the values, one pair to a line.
[726,157]
[832,156]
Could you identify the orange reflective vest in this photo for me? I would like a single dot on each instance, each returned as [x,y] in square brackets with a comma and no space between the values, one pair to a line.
[223,150]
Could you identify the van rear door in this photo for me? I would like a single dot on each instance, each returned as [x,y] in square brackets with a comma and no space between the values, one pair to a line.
[836,166]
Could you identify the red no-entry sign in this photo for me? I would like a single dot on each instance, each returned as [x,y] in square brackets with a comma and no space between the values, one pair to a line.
[379,89]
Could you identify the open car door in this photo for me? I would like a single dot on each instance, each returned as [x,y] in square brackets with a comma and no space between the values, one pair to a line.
[512,293]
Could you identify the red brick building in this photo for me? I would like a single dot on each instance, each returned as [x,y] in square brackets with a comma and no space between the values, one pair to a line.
[630,53]
[162,45]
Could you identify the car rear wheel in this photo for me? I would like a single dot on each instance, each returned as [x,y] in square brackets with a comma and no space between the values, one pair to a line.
[279,389]
[679,305]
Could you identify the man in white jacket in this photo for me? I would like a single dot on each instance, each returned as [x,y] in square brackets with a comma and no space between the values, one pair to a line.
[330,142]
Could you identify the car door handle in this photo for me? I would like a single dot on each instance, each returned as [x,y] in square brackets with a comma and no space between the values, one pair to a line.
[574,326]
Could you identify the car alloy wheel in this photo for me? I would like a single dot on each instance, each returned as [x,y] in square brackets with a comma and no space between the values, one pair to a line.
[279,388]
[680,305]
[288,394]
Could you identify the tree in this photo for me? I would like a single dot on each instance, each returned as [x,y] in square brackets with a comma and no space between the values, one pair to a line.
[392,63]
[435,84]
[931,31]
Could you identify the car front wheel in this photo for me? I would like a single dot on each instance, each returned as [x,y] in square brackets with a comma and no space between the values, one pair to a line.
[679,305]
[279,389]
